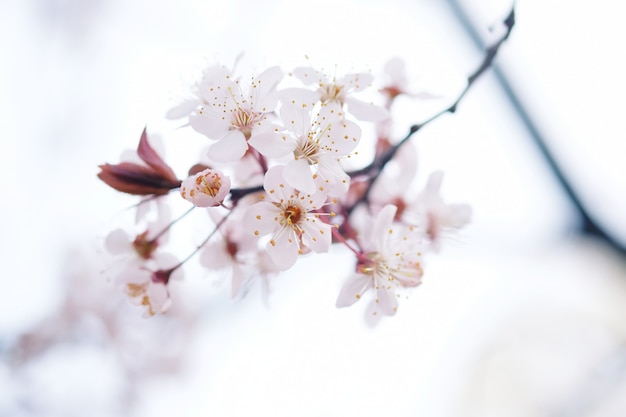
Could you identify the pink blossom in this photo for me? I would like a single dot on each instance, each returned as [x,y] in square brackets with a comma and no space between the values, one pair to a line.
[318,140]
[142,271]
[234,111]
[207,188]
[237,254]
[432,215]
[391,259]
[339,92]
[291,220]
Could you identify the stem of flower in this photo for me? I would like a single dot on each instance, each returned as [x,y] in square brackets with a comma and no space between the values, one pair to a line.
[204,242]
[169,226]
[260,159]
[337,235]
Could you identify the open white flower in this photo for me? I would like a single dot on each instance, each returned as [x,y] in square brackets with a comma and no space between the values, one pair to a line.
[337,92]
[291,220]
[318,140]
[234,111]
[391,259]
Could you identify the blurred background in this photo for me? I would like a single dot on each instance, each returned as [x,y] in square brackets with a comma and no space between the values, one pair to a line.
[522,313]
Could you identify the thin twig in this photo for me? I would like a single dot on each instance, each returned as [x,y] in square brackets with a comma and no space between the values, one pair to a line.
[375,168]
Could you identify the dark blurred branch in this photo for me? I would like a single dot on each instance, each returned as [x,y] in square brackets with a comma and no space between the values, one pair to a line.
[588,225]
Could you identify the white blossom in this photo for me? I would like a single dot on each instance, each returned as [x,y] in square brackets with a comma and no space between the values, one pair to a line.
[391,259]
[318,140]
[291,220]
[233,111]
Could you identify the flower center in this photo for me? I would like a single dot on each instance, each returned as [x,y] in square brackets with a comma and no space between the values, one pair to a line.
[307,148]
[244,120]
[209,187]
[292,214]
[332,92]
[144,246]
[136,290]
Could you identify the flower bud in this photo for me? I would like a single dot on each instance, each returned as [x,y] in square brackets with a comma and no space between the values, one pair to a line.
[207,188]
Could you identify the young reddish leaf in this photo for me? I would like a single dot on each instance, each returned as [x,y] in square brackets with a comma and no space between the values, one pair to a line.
[150,157]
[135,179]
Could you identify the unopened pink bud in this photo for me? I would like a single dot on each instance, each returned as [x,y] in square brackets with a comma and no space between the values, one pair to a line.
[207,188]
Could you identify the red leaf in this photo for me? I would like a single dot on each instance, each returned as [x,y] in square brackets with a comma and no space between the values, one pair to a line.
[150,157]
[136,179]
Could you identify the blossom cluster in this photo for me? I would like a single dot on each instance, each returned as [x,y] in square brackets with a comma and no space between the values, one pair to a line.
[276,186]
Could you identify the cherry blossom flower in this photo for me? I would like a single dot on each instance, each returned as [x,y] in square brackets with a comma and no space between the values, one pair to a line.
[392,184]
[237,254]
[143,272]
[391,259]
[291,220]
[318,141]
[233,113]
[398,83]
[339,92]
[432,215]
[203,92]
[207,188]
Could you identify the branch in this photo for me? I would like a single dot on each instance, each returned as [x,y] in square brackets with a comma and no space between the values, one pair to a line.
[375,168]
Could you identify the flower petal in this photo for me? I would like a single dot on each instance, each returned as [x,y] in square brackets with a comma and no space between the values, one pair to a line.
[296,116]
[357,81]
[382,227]
[272,144]
[215,256]
[353,289]
[232,147]
[317,235]
[284,250]
[386,301]
[118,242]
[183,109]
[367,112]
[345,137]
[275,185]
[309,75]
[261,218]
[264,85]
[298,174]
[209,124]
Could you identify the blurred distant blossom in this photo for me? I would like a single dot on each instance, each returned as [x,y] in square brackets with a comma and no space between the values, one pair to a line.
[429,212]
[141,267]
[93,322]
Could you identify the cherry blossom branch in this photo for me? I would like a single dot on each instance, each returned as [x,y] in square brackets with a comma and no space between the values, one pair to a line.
[373,170]
[238,193]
